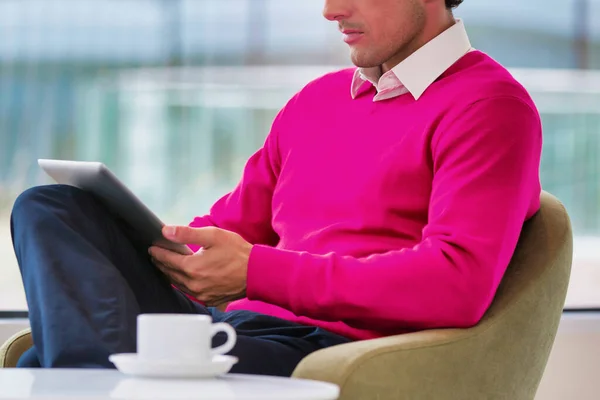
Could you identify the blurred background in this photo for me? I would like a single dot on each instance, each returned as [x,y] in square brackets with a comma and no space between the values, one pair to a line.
[174,95]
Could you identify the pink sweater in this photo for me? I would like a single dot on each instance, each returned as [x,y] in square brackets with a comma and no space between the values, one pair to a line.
[378,218]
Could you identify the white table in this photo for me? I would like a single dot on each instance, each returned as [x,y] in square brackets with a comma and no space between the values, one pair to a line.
[98,384]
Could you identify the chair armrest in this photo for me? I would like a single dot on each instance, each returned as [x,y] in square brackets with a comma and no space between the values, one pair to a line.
[14,347]
[425,365]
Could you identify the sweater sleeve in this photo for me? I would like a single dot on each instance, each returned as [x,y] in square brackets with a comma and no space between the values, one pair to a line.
[247,209]
[485,184]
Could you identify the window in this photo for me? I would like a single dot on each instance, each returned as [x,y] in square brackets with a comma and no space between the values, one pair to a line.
[174,95]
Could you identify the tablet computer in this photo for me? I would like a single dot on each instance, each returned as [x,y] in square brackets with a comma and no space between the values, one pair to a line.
[96,178]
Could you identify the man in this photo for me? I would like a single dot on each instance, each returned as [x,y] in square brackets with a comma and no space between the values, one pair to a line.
[386,199]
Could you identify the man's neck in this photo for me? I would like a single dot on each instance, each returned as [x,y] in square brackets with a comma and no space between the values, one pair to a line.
[431,31]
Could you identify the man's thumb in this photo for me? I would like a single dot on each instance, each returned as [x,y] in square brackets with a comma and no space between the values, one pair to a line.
[204,237]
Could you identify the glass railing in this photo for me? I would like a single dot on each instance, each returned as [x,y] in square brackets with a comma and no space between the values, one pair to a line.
[180,137]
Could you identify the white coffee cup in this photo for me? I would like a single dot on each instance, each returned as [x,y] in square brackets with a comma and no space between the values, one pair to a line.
[182,337]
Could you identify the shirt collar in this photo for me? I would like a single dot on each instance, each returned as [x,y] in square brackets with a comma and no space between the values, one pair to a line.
[424,66]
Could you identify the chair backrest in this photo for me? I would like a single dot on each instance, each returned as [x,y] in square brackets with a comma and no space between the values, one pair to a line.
[516,335]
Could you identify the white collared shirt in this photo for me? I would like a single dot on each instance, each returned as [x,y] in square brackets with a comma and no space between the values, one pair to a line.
[417,72]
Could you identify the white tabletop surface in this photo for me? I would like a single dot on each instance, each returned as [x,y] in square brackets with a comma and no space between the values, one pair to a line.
[100,384]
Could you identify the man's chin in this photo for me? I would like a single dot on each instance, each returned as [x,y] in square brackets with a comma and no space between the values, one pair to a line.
[365,65]
[362,61]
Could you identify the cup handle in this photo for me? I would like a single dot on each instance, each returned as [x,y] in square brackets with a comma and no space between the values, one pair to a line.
[231,337]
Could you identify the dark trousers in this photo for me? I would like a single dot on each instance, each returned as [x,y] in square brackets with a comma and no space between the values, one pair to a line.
[86,279]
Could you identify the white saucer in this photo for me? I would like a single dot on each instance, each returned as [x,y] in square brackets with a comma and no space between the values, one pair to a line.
[131,364]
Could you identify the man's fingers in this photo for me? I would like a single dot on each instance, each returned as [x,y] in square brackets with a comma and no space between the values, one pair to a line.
[166,268]
[204,237]
[177,277]
[169,259]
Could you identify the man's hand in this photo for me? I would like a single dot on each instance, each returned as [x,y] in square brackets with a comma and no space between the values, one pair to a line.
[214,275]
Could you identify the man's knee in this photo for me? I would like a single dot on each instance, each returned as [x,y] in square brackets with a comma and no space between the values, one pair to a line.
[35,204]
[45,195]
